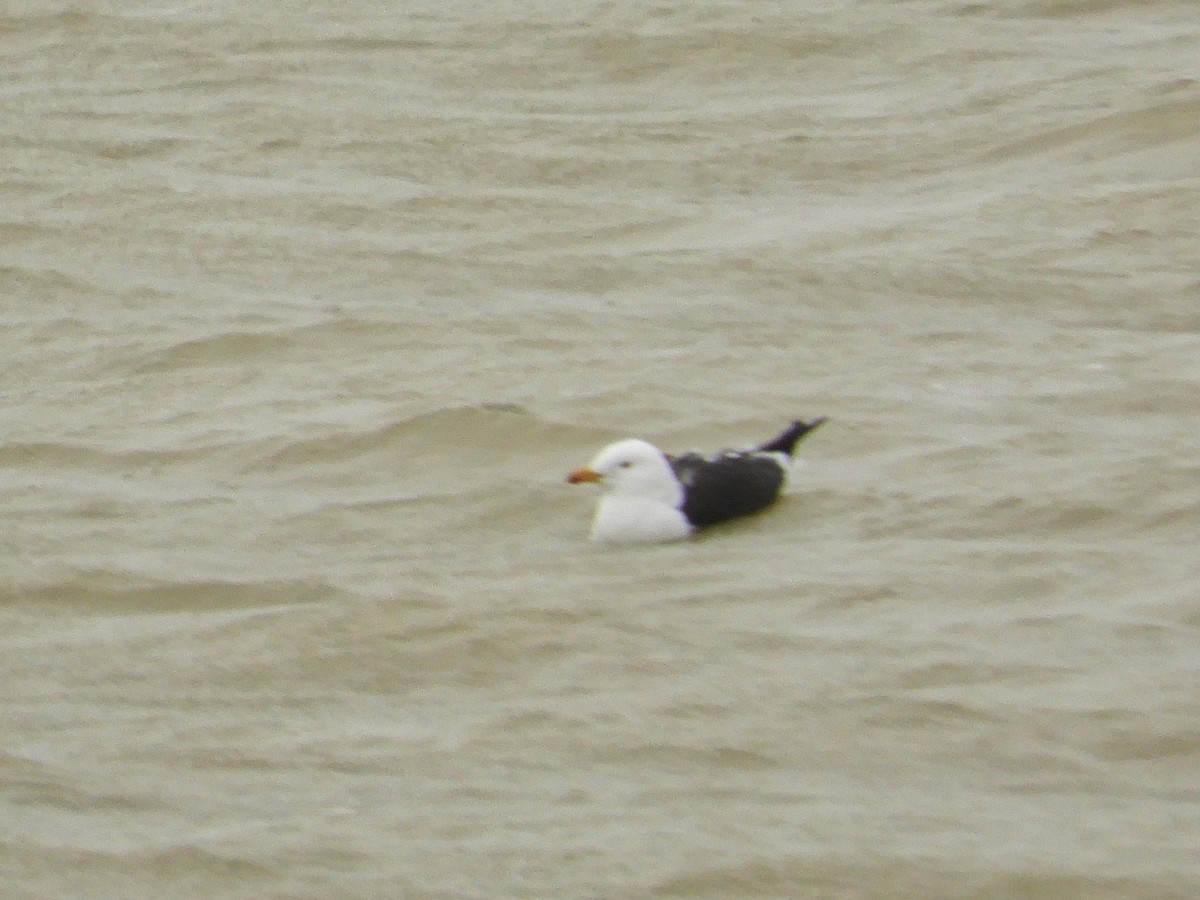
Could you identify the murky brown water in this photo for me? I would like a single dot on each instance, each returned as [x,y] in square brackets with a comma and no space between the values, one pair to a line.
[308,309]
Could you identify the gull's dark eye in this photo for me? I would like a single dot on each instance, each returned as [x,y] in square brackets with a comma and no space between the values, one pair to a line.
[626,464]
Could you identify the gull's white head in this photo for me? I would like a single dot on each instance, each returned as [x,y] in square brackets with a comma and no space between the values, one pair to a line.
[633,468]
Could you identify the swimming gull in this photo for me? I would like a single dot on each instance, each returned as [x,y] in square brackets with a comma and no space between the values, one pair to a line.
[652,496]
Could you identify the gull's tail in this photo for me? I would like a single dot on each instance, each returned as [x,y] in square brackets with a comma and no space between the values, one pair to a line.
[787,441]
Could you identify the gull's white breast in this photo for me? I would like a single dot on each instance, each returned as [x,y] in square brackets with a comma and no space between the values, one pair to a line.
[621,518]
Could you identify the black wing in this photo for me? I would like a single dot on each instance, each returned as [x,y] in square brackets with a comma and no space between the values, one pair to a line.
[726,486]
[786,442]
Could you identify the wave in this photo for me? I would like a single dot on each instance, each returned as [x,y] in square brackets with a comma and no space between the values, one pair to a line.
[439,445]
[109,591]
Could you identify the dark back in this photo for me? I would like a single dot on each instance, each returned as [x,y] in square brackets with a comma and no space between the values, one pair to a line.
[727,486]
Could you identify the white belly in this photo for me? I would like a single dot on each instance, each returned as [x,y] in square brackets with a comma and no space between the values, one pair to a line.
[634,520]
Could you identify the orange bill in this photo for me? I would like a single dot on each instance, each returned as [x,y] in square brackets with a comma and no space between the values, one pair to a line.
[581,475]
